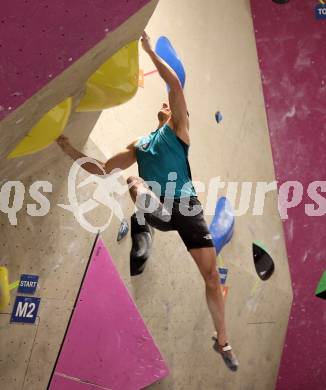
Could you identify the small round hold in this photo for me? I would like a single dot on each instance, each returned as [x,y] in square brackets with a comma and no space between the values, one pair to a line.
[123,230]
[218,117]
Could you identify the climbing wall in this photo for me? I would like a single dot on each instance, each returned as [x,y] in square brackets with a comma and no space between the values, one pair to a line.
[292,52]
[48,51]
[170,293]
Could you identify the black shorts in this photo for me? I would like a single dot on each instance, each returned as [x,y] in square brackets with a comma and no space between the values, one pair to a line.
[187,218]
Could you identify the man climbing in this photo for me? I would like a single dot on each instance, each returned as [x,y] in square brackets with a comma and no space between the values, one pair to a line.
[165,181]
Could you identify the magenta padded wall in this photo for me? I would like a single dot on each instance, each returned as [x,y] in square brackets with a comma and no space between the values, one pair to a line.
[107,343]
[292,56]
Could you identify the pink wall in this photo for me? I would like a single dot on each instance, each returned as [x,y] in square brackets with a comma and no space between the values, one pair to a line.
[292,52]
[107,344]
[41,38]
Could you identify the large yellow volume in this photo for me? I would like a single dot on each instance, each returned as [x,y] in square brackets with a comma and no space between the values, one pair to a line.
[115,82]
[4,288]
[46,130]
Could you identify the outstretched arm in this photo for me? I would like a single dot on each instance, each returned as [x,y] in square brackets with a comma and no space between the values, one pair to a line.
[177,100]
[122,160]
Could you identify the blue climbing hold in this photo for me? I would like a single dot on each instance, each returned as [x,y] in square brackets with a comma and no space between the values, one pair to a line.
[166,51]
[218,117]
[222,224]
[223,272]
[123,230]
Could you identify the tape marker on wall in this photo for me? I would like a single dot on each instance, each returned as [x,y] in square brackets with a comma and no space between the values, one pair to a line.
[14,285]
[221,261]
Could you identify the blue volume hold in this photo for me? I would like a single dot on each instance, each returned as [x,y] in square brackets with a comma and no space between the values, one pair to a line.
[222,224]
[166,51]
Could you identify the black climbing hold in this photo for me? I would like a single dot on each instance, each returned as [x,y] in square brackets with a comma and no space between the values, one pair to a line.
[123,230]
[281,1]
[142,239]
[321,288]
[264,264]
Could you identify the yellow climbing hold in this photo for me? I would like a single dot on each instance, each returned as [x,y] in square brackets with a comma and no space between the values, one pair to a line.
[115,82]
[14,285]
[46,130]
[4,288]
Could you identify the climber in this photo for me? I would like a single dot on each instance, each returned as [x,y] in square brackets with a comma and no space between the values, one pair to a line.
[165,181]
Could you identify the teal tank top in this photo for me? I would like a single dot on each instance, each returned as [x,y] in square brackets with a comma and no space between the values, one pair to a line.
[162,159]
